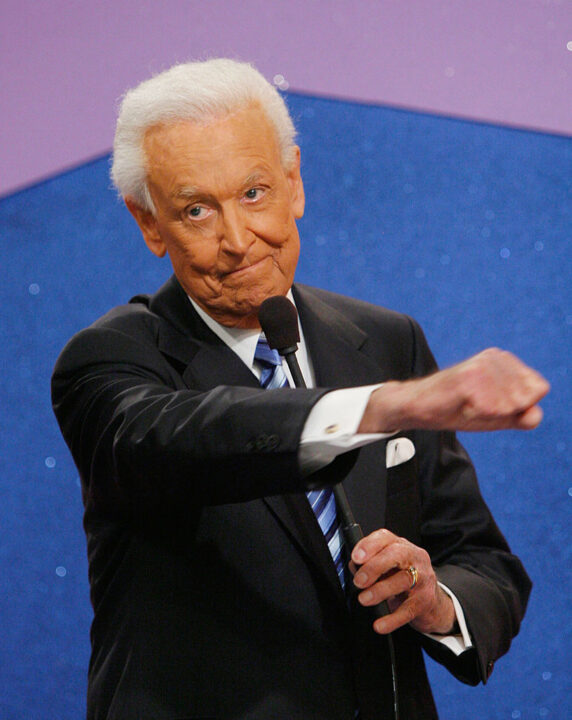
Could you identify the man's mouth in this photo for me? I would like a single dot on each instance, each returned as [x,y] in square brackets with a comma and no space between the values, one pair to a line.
[244,269]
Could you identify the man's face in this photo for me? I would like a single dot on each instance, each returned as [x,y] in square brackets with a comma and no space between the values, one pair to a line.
[225,212]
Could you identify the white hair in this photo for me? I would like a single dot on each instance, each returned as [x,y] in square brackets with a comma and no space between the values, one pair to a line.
[199,92]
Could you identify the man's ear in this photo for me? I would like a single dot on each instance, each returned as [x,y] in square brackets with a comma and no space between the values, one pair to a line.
[148,226]
[297,197]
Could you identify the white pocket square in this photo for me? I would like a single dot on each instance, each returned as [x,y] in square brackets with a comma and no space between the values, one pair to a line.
[398,450]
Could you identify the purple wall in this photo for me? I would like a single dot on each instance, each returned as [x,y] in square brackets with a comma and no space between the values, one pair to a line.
[65,63]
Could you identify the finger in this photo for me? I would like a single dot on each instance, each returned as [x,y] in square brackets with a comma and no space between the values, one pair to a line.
[397,583]
[527,382]
[500,384]
[403,615]
[529,419]
[519,394]
[394,557]
[373,543]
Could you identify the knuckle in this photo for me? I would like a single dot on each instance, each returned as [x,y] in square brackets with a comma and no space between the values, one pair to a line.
[378,539]
[376,534]
[378,594]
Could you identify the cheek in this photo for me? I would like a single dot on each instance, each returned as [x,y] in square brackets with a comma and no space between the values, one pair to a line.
[194,257]
[291,249]
[292,254]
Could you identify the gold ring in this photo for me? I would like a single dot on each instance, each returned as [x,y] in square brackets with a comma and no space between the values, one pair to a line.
[414,575]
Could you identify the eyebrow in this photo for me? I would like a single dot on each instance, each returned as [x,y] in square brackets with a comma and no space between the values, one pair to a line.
[254,177]
[189,192]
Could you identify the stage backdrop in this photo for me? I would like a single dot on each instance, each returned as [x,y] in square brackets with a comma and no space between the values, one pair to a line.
[467,227]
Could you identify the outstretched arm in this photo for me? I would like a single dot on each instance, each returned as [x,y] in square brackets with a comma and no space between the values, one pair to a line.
[493,390]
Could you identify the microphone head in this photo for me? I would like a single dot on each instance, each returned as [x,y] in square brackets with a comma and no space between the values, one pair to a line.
[279,322]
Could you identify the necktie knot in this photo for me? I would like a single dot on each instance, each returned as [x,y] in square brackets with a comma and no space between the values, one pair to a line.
[265,355]
[272,375]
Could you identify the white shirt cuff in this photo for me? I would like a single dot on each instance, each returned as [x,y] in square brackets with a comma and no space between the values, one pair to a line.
[331,427]
[456,643]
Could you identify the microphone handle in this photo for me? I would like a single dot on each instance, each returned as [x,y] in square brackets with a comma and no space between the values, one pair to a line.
[353,533]
[351,530]
[289,354]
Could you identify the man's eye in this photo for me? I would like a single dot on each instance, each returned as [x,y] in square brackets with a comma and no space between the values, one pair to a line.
[197,211]
[253,193]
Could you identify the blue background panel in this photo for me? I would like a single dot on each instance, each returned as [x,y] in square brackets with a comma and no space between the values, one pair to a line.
[466,227]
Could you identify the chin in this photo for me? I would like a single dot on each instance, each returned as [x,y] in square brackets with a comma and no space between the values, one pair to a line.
[255,296]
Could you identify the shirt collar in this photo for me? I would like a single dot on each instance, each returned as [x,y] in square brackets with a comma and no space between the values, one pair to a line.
[242,341]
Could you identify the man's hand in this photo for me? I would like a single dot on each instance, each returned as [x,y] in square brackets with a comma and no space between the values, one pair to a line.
[493,390]
[380,562]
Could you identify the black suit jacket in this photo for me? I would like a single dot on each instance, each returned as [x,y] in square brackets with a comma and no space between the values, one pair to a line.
[213,590]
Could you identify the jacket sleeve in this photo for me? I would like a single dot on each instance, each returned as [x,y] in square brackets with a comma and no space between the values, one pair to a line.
[143,441]
[468,551]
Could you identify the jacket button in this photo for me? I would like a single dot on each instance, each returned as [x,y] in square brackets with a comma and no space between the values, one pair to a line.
[263,443]
[272,442]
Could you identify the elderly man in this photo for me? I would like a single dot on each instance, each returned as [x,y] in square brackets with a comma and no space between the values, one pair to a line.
[218,591]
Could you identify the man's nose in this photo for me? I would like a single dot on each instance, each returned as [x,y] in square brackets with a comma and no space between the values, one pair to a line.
[234,235]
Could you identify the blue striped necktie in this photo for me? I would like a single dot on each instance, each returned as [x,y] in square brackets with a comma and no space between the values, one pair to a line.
[322,501]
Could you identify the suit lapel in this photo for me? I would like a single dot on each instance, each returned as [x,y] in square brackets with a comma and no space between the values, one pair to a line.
[203,359]
[205,362]
[334,342]
[335,346]
[338,349]
[295,515]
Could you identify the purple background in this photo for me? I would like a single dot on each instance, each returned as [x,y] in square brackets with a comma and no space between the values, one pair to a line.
[65,63]
[465,226]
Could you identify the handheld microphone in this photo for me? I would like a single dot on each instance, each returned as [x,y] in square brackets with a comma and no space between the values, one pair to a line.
[279,321]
